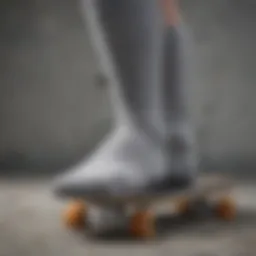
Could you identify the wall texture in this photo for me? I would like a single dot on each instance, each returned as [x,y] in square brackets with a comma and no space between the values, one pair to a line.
[224,100]
[53,103]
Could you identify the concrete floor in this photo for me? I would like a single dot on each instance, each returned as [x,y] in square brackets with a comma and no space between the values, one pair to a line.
[30,225]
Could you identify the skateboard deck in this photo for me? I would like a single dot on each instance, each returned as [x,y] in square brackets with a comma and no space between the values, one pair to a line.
[139,212]
[203,186]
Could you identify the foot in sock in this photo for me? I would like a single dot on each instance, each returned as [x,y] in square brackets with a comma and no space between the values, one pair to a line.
[150,148]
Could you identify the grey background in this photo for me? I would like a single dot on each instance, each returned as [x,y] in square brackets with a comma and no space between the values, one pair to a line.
[53,103]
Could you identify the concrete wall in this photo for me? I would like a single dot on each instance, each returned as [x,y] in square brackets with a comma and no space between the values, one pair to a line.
[224,101]
[51,109]
[54,107]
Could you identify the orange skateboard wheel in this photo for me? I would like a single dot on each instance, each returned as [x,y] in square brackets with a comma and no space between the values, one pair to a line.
[226,209]
[75,215]
[142,225]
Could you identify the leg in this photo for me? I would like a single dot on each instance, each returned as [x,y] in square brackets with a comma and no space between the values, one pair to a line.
[132,31]
[180,138]
[134,159]
[128,39]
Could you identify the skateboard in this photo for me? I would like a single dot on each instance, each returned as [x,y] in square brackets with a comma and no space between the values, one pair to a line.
[138,214]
